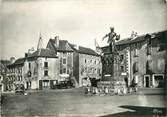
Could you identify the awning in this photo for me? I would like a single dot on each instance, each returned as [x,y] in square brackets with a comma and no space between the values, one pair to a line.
[107,75]
[64,75]
[123,73]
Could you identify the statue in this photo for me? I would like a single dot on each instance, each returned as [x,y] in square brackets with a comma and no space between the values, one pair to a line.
[112,58]
[112,36]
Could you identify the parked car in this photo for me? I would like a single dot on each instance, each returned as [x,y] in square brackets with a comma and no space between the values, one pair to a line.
[64,85]
[20,89]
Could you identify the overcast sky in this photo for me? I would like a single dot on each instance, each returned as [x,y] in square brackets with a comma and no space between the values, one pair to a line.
[78,21]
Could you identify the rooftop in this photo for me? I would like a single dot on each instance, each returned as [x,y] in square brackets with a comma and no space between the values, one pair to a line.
[19,61]
[65,46]
[139,38]
[39,53]
[62,45]
[43,53]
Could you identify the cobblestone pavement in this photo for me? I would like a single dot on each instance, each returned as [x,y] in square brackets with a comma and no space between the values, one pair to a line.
[73,102]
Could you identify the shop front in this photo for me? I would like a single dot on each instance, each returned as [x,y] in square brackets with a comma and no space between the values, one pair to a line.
[47,84]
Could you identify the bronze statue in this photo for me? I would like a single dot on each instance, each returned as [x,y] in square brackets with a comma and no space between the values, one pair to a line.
[112,36]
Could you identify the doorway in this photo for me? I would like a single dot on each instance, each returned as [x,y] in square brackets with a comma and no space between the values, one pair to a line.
[159,81]
[45,84]
[147,81]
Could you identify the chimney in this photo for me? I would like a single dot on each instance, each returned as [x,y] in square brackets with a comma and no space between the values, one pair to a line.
[12,60]
[133,35]
[30,51]
[57,41]
[76,47]
[26,55]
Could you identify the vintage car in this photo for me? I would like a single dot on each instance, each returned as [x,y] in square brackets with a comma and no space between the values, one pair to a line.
[64,85]
[20,89]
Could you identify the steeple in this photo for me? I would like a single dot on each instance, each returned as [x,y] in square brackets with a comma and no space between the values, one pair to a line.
[40,44]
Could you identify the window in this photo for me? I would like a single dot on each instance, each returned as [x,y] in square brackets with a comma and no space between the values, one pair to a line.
[20,70]
[95,71]
[68,71]
[64,54]
[85,60]
[45,83]
[148,50]
[135,67]
[60,61]
[46,64]
[149,66]
[64,61]
[29,65]
[99,61]
[21,78]
[61,71]
[64,70]
[136,52]
[99,72]
[89,70]
[122,68]
[29,73]
[85,69]
[82,70]
[149,46]
[55,82]
[121,57]
[46,73]
[95,61]
[161,64]
[149,41]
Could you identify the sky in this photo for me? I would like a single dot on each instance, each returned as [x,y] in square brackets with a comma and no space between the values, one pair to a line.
[78,21]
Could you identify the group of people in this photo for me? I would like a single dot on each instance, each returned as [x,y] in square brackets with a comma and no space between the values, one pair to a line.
[108,87]
[105,90]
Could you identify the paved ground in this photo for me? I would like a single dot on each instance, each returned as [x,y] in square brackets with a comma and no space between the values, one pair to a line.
[74,103]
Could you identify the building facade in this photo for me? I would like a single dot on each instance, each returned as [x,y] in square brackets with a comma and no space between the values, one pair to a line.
[72,61]
[15,74]
[142,59]
[38,70]
[3,75]
[87,64]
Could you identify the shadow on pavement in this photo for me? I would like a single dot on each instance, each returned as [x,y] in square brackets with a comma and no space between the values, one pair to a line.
[139,111]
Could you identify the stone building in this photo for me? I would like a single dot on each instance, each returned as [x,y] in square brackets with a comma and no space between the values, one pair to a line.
[65,56]
[3,75]
[15,73]
[87,63]
[76,62]
[39,70]
[142,59]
